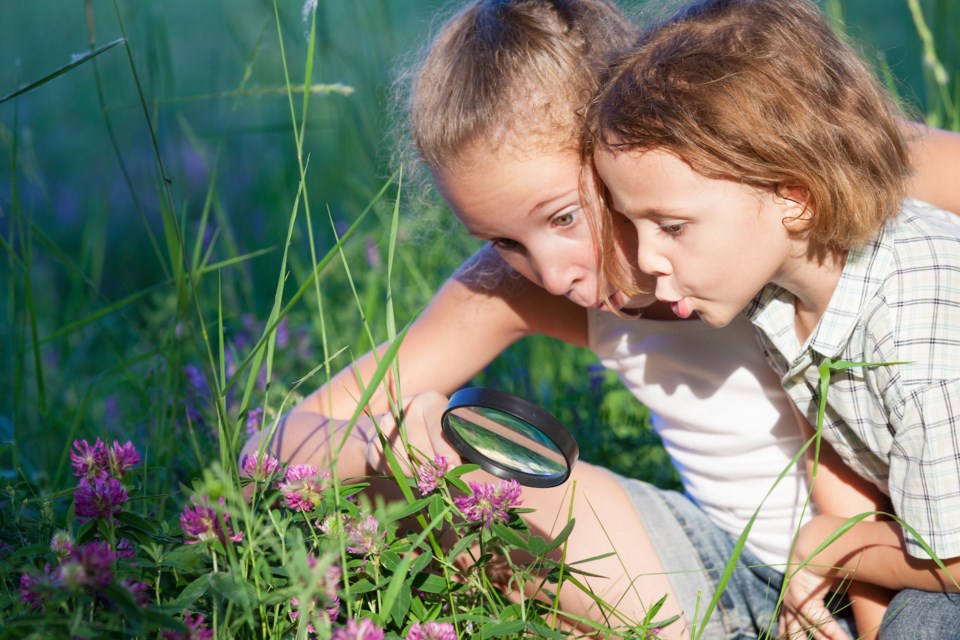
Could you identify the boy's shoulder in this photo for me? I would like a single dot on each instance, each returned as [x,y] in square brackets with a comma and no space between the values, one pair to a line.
[920,228]
[920,247]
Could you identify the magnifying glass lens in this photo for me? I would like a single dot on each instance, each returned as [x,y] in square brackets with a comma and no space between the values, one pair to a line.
[508,441]
[509,437]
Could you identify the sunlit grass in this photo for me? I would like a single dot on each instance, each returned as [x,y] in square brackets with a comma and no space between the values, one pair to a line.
[238,221]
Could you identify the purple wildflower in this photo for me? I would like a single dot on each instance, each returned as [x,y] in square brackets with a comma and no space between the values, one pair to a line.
[283,333]
[90,565]
[100,498]
[196,629]
[125,549]
[260,469]
[373,256]
[489,503]
[254,420]
[303,486]
[62,544]
[432,631]
[30,592]
[363,537]
[328,585]
[195,378]
[111,410]
[195,392]
[363,630]
[596,373]
[122,457]
[430,472]
[295,610]
[89,461]
[203,523]
[139,590]
[332,525]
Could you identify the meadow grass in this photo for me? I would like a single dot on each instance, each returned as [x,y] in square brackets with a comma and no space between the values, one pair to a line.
[199,226]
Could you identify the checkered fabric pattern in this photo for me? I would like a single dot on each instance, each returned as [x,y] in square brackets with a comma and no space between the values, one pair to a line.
[898,425]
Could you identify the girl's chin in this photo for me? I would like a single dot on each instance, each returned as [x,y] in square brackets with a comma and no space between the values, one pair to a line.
[627,305]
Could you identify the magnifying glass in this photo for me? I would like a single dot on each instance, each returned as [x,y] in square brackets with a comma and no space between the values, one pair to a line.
[509,437]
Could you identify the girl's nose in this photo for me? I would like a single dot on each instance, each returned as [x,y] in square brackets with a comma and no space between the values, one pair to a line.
[557,275]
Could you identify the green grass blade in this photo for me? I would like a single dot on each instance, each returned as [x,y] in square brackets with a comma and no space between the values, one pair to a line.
[76,62]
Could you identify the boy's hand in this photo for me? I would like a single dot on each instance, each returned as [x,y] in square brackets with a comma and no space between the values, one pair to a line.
[805,613]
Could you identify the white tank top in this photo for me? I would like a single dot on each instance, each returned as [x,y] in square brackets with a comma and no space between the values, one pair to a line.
[722,416]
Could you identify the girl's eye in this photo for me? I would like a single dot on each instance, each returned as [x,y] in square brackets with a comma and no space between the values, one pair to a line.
[505,244]
[564,219]
[673,229]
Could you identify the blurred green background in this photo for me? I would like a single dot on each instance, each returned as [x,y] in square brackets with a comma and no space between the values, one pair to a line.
[98,331]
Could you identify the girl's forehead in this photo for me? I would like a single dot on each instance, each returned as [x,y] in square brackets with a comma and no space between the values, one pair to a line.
[481,160]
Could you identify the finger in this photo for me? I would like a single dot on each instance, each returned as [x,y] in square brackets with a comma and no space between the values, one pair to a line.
[426,411]
[830,630]
[821,624]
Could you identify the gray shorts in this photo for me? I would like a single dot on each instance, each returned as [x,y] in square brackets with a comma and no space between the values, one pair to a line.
[694,552]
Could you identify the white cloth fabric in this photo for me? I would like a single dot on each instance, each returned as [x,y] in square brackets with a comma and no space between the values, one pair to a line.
[723,418]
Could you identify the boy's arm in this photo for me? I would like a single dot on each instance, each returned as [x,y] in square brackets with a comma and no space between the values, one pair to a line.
[935,155]
[839,492]
[874,552]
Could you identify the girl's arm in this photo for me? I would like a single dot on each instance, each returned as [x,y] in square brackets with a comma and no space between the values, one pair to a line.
[465,327]
[935,155]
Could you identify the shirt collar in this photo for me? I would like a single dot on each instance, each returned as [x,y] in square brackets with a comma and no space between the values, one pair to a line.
[772,310]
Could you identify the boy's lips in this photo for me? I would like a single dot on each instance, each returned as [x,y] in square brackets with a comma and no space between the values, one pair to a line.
[681,308]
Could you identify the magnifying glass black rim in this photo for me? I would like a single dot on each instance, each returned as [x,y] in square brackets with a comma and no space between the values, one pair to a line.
[519,408]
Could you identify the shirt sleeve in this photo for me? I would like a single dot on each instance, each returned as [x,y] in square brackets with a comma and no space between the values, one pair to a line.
[924,477]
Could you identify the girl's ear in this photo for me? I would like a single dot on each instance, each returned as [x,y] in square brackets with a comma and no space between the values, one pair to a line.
[798,216]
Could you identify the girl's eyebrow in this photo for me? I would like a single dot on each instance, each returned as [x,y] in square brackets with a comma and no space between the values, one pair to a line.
[551,203]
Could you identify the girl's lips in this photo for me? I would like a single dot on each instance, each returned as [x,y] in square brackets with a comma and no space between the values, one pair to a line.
[623,303]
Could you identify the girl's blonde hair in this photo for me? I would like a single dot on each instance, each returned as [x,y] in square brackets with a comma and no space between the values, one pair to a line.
[505,75]
[504,71]
[765,93]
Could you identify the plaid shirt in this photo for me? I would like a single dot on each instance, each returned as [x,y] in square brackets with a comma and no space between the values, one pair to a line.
[898,300]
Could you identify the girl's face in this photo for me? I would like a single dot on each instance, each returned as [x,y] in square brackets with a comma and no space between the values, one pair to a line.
[528,208]
[711,244]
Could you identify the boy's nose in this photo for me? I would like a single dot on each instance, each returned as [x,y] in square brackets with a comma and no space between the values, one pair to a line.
[651,262]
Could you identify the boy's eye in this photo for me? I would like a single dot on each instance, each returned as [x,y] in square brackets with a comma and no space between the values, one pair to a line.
[505,244]
[673,229]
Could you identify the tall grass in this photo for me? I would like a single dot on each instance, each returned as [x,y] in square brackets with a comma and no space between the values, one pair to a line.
[198,223]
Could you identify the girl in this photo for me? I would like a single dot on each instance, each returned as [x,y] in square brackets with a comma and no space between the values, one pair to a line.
[493,115]
[763,169]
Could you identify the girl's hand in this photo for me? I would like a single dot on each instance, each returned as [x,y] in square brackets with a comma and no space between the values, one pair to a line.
[421,418]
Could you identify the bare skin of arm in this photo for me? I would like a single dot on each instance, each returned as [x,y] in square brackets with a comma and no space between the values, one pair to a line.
[876,553]
[841,493]
[460,332]
[935,155]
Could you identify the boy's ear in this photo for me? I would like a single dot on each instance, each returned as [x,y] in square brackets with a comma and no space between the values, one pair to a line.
[798,216]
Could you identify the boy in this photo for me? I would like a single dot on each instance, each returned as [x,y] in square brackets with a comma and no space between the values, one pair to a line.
[762,167]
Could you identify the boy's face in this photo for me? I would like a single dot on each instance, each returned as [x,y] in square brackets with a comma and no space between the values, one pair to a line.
[711,244]
[528,207]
